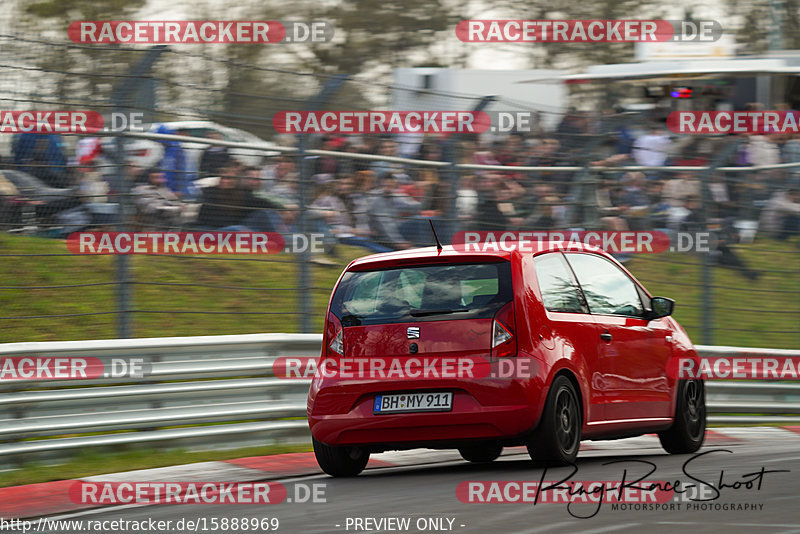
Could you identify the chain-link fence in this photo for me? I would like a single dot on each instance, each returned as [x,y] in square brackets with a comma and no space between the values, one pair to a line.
[230,170]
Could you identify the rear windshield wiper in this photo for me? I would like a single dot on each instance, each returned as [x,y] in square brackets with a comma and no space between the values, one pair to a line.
[423,313]
[351,320]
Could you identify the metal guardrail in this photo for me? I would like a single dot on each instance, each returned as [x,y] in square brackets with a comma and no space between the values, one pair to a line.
[211,391]
[218,392]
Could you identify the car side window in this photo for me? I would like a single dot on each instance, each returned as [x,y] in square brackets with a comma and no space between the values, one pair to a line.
[608,290]
[559,292]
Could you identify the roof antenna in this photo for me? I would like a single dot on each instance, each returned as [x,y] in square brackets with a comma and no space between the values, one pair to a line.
[438,243]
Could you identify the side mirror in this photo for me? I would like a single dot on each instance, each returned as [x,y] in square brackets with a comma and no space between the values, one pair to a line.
[661,307]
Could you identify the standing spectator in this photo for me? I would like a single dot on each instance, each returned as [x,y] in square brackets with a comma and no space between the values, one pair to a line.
[283,170]
[466,199]
[677,189]
[488,213]
[214,157]
[721,207]
[675,193]
[652,150]
[545,217]
[387,207]
[659,209]
[382,168]
[410,144]
[41,155]
[222,203]
[329,164]
[173,164]
[634,201]
[286,189]
[359,201]
[608,209]
[723,255]
[260,211]
[334,207]
[156,205]
[761,150]
[781,217]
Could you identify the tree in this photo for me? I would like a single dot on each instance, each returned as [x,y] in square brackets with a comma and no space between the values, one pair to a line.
[567,55]
[79,71]
[380,35]
[758,23]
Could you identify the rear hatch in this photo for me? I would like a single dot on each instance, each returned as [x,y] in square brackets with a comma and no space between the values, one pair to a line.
[430,311]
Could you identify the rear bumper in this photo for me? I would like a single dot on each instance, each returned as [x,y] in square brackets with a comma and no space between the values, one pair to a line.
[340,412]
[354,428]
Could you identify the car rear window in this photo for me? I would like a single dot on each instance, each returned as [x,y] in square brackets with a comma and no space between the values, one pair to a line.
[422,293]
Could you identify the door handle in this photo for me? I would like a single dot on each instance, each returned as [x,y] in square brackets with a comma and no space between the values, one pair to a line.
[605,336]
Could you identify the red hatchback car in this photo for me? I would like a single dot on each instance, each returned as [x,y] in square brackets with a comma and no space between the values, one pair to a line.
[596,347]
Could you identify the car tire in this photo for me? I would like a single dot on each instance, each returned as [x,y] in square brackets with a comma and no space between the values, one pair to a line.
[481,453]
[557,439]
[687,433]
[340,461]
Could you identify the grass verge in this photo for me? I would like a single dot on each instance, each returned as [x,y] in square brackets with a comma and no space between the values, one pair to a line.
[207,295]
[90,463]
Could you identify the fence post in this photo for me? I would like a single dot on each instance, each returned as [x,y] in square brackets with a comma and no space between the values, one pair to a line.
[122,187]
[304,274]
[583,190]
[706,276]
[450,154]
[124,328]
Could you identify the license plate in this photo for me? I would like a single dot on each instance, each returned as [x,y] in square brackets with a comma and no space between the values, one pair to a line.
[413,402]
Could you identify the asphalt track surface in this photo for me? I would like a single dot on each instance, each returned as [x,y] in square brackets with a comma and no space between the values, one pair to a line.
[428,491]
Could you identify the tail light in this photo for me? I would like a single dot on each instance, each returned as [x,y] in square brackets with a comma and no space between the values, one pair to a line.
[504,340]
[334,337]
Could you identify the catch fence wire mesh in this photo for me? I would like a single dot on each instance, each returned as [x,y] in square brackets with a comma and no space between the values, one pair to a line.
[362,193]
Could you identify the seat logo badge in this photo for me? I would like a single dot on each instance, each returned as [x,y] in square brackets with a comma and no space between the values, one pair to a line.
[412,332]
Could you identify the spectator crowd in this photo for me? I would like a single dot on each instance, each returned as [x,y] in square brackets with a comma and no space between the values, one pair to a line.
[382,205]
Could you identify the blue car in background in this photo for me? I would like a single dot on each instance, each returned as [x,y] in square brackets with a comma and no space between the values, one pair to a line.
[43,156]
